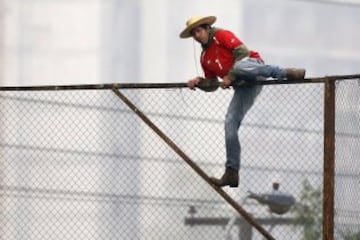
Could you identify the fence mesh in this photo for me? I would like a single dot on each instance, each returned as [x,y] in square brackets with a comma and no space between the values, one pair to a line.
[81,165]
[347,152]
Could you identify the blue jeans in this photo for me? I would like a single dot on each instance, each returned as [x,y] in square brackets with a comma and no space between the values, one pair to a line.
[244,97]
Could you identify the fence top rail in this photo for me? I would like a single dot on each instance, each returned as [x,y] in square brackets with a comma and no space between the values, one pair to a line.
[168,85]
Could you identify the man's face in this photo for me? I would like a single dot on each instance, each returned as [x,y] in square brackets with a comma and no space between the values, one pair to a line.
[200,34]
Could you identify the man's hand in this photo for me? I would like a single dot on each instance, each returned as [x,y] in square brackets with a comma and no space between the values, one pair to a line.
[226,82]
[193,82]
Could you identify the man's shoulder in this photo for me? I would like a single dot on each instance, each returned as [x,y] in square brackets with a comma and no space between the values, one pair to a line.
[223,33]
[218,30]
[226,37]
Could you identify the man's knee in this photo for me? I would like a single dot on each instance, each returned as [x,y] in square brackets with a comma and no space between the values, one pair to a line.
[231,127]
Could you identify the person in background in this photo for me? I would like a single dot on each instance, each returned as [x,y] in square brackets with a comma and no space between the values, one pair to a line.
[225,56]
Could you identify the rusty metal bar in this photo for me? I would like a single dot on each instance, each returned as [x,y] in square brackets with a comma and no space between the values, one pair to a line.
[223,221]
[329,160]
[194,166]
[166,85]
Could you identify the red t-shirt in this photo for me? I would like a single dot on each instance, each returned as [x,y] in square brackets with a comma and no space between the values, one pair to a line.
[217,58]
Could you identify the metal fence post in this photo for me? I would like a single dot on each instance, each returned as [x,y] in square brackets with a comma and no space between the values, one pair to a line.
[329,160]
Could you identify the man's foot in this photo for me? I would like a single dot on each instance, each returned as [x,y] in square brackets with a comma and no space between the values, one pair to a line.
[230,177]
[294,73]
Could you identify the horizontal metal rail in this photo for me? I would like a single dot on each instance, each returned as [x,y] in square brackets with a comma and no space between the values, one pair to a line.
[110,86]
[223,221]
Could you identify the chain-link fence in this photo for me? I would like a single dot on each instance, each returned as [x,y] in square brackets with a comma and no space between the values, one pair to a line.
[347,160]
[79,164]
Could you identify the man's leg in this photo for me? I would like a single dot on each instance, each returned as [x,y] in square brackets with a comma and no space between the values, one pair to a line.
[241,102]
[253,68]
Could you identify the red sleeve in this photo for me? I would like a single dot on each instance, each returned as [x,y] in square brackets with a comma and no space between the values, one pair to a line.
[227,39]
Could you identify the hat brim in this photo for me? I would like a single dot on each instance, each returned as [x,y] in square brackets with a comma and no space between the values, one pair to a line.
[186,33]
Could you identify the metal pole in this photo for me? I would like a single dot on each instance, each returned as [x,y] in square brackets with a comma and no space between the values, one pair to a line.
[2,74]
[329,160]
[194,166]
[169,85]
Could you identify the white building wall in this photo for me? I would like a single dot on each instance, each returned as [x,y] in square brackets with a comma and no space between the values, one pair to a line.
[97,41]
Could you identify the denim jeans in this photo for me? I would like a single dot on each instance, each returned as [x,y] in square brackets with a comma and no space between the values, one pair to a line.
[244,97]
[252,68]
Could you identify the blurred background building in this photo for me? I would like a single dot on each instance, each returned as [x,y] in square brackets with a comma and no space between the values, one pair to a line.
[69,42]
[56,42]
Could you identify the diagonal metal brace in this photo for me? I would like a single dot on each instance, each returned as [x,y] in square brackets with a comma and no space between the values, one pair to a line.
[194,166]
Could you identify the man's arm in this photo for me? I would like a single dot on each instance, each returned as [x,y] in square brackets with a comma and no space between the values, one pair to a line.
[193,82]
[239,53]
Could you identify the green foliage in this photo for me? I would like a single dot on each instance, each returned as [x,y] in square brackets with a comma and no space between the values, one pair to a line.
[308,211]
[351,236]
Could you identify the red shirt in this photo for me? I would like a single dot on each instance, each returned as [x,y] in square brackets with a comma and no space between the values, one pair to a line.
[217,57]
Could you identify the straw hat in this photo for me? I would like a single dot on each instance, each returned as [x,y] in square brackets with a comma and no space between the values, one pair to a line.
[195,22]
